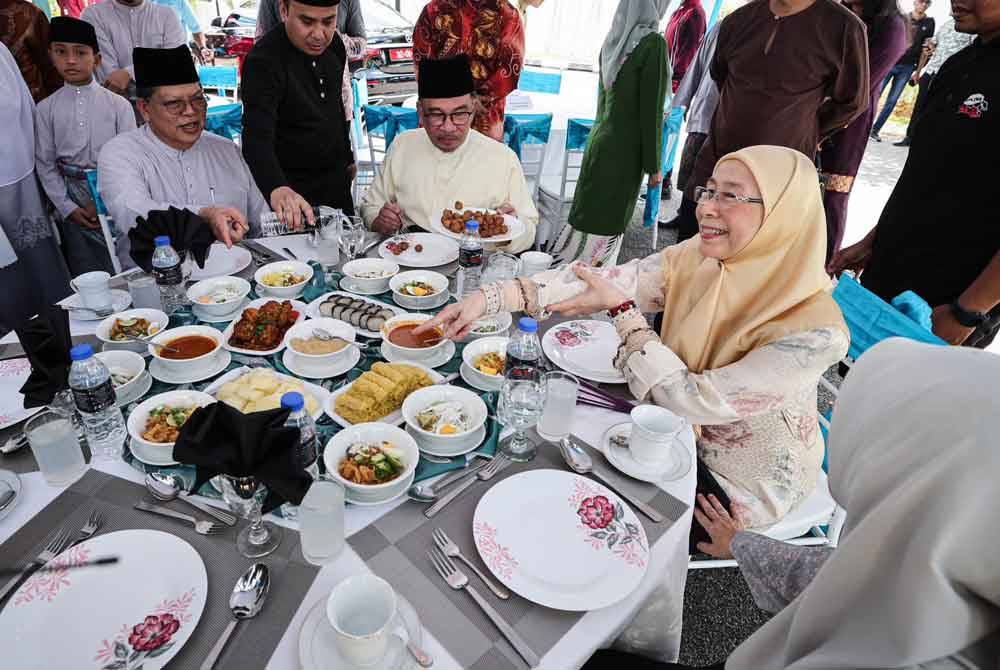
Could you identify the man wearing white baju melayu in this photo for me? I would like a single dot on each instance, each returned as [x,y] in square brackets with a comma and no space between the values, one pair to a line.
[171,161]
[431,168]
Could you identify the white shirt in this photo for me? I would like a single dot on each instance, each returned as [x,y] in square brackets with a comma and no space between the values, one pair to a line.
[71,126]
[138,173]
[121,28]
[423,180]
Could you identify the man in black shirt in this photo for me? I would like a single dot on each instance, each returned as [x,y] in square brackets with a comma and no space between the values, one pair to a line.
[939,234]
[295,133]
[921,29]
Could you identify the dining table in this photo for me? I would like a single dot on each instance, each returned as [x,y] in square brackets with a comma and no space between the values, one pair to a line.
[647,620]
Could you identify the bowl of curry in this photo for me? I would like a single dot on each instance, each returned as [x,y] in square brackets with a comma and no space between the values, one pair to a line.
[194,348]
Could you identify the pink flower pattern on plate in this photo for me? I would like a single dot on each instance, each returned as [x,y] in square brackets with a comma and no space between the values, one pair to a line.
[47,585]
[604,525]
[573,335]
[147,639]
[496,556]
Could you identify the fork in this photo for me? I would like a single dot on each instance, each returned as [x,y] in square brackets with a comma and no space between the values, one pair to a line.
[200,527]
[52,549]
[487,473]
[89,528]
[450,549]
[457,580]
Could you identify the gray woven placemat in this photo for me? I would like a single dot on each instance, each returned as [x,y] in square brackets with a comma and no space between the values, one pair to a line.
[395,548]
[254,641]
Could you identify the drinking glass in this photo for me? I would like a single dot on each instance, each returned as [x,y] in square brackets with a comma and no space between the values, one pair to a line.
[54,443]
[246,496]
[521,401]
[321,522]
[500,266]
[561,389]
[142,287]
[326,236]
[352,236]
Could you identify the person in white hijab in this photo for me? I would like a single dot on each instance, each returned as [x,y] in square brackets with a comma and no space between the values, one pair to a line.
[32,271]
[915,580]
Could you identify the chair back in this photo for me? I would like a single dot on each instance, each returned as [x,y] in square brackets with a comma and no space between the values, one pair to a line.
[539,81]
[528,136]
[104,219]
[222,79]
[225,120]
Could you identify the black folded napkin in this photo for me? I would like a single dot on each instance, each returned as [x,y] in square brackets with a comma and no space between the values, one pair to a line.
[46,342]
[219,440]
[188,233]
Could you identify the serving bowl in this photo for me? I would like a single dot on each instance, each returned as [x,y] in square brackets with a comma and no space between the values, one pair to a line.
[477,348]
[124,362]
[140,415]
[295,267]
[372,433]
[421,399]
[205,287]
[386,269]
[434,279]
[406,352]
[304,330]
[157,322]
[186,365]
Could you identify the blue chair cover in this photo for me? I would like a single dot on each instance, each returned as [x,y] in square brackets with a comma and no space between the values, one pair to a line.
[218,77]
[535,81]
[94,193]
[225,120]
[671,135]
[520,129]
[388,121]
[872,319]
[577,133]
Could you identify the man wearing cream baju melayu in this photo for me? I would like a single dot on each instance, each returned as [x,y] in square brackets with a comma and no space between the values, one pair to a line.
[431,168]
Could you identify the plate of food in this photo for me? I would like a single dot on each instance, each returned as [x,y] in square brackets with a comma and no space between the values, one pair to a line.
[493,226]
[378,394]
[261,328]
[375,462]
[365,314]
[260,389]
[419,250]
[122,328]
[155,424]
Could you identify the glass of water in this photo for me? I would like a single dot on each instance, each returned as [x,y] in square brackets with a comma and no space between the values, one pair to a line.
[561,389]
[321,522]
[326,236]
[521,401]
[142,287]
[54,443]
[246,496]
[352,236]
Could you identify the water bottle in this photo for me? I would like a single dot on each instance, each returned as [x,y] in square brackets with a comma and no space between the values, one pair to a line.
[308,454]
[94,397]
[524,350]
[168,275]
[470,262]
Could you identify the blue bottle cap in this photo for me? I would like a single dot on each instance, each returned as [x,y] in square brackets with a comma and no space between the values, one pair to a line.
[162,241]
[81,352]
[472,226]
[293,401]
[527,324]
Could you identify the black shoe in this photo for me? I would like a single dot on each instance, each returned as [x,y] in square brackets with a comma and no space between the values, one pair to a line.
[875,136]
[905,142]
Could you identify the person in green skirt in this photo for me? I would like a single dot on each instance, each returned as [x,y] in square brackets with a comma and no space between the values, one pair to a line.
[626,139]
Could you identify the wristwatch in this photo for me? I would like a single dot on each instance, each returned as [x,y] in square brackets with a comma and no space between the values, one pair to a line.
[965,317]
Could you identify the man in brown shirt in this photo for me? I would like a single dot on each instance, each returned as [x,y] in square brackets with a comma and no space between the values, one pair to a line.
[790,73]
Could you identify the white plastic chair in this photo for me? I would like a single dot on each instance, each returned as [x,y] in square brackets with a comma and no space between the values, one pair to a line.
[532,157]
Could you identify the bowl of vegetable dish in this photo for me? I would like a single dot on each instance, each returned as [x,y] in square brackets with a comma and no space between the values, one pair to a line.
[419,289]
[155,424]
[219,296]
[374,461]
[119,329]
[284,279]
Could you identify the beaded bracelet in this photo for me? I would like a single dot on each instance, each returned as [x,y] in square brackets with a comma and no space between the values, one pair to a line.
[624,307]
[494,299]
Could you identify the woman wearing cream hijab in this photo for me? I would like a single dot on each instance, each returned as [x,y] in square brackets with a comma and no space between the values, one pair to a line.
[748,329]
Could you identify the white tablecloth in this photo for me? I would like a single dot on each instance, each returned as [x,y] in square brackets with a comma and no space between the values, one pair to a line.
[666,575]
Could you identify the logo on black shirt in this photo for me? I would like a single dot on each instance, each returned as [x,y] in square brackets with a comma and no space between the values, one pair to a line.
[974,106]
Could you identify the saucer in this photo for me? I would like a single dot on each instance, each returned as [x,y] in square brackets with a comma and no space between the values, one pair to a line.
[474,440]
[318,642]
[337,368]
[150,457]
[120,300]
[475,383]
[444,355]
[349,285]
[144,384]
[224,358]
[209,318]
[621,458]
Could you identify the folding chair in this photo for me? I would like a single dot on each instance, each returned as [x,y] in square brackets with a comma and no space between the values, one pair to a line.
[105,220]
[555,195]
[672,122]
[222,79]
[383,123]
[528,136]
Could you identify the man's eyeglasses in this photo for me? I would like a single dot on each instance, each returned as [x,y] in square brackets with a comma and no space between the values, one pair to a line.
[725,198]
[437,119]
[199,103]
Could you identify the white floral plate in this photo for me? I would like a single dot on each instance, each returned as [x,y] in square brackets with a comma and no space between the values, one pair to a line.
[142,609]
[561,540]
[221,262]
[585,348]
[13,373]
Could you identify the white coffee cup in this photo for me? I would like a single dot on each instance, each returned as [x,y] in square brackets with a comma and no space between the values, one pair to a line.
[653,430]
[533,262]
[362,611]
[94,289]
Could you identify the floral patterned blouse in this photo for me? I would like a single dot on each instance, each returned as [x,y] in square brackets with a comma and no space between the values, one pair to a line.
[759,434]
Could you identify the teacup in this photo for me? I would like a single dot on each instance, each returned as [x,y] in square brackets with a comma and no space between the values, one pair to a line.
[94,289]
[362,611]
[653,430]
[533,262]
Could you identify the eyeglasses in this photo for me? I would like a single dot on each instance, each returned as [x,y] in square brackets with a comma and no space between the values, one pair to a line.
[438,118]
[199,103]
[725,198]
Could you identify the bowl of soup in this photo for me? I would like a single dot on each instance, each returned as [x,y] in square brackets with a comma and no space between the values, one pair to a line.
[196,347]
[319,343]
[402,340]
[419,289]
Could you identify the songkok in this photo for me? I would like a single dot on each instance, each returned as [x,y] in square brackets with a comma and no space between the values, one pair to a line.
[163,67]
[320,3]
[447,78]
[74,31]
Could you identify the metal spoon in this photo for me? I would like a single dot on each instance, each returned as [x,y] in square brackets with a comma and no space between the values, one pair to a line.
[133,338]
[166,487]
[6,497]
[581,463]
[246,601]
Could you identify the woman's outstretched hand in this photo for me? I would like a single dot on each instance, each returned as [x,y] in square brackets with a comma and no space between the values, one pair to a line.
[601,294]
[457,320]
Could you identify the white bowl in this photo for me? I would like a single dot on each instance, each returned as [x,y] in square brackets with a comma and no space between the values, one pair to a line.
[187,365]
[304,329]
[435,279]
[372,433]
[154,316]
[137,419]
[477,348]
[503,320]
[420,399]
[410,353]
[127,362]
[295,267]
[206,286]
[388,269]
